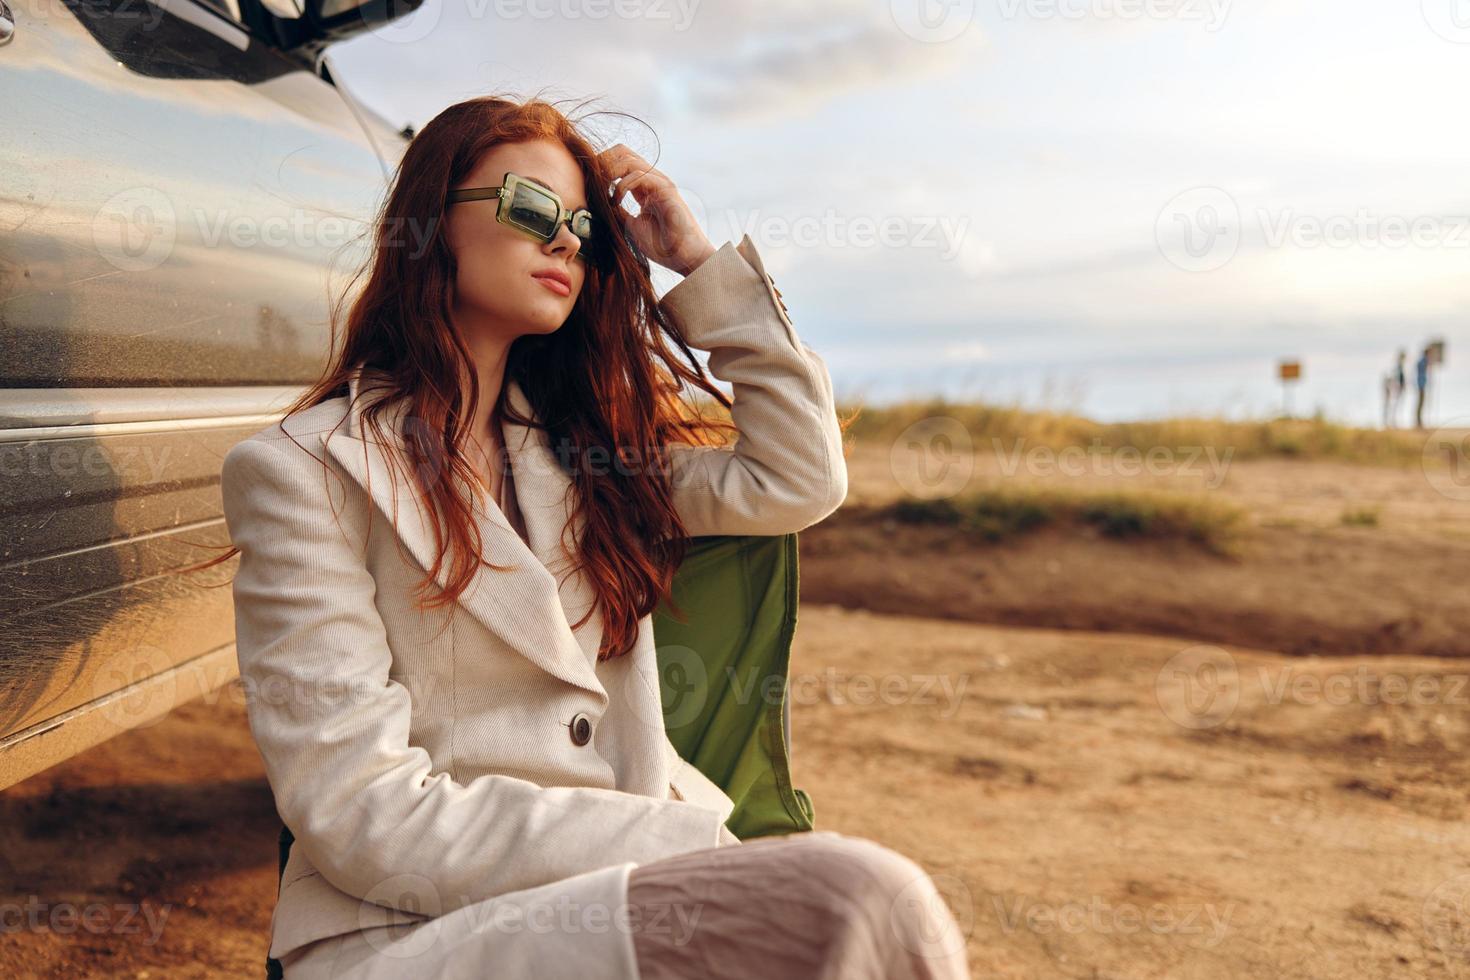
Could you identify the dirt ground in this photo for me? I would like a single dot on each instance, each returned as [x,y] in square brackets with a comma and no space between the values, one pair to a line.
[165,833]
[1304,582]
[1271,782]
[1111,806]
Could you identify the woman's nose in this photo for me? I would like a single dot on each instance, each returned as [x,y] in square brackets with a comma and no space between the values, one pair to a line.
[565,242]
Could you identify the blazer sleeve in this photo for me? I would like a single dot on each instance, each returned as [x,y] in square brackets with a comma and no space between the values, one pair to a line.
[332,726]
[785,470]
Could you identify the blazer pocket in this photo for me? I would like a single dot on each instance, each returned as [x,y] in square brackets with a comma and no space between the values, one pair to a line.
[693,786]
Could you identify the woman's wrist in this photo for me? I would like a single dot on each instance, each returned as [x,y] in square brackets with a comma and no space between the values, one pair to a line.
[688,266]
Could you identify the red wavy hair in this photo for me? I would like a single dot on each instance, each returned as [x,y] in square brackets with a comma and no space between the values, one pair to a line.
[609,380]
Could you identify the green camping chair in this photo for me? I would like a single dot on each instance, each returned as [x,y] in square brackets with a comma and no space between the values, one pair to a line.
[724,677]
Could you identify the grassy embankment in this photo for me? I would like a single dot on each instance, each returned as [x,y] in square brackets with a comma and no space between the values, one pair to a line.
[1005,511]
[1304,439]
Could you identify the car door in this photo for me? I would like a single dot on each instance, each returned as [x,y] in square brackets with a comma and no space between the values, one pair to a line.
[176,196]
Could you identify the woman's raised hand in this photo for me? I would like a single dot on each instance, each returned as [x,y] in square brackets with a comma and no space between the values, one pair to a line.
[664,228]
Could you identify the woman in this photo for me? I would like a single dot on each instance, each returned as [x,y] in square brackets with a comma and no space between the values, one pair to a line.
[480,783]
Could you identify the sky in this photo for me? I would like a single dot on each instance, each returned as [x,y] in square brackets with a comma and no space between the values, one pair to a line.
[1127,208]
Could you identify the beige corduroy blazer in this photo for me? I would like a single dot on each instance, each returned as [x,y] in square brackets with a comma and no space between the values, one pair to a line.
[430,761]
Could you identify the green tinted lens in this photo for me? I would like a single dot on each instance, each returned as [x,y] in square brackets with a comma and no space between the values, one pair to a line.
[534,211]
[581,224]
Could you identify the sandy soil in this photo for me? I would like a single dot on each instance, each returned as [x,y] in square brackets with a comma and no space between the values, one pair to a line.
[151,855]
[1089,812]
[1085,807]
[1192,803]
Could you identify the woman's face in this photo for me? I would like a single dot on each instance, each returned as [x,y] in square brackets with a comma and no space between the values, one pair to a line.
[502,290]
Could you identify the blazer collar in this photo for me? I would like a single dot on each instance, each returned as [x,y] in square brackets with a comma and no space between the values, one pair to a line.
[526,606]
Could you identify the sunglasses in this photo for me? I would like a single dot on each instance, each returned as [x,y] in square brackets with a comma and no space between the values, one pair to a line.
[531,208]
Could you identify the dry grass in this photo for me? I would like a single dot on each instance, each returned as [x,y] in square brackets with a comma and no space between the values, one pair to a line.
[995,515]
[1307,439]
[1360,517]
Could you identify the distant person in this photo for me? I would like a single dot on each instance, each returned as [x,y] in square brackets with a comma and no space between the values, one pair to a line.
[1421,381]
[1397,383]
[1388,401]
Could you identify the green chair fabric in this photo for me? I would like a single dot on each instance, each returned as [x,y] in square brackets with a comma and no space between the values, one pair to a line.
[723,672]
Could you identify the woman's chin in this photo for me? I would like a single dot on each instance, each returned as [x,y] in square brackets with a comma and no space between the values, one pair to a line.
[544,320]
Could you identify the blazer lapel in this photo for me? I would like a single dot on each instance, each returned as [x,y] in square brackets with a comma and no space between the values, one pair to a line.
[525,606]
[543,493]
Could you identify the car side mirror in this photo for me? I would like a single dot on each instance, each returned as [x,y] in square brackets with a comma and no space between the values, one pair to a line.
[302,26]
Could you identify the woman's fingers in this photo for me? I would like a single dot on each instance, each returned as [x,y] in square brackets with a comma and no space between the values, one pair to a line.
[623,161]
[664,228]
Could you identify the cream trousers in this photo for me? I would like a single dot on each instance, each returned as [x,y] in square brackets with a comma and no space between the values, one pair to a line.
[818,905]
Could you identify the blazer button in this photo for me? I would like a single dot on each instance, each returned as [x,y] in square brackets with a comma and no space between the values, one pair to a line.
[581,728]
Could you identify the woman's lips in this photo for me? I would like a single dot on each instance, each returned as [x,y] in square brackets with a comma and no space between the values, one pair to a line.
[555,285]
